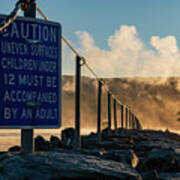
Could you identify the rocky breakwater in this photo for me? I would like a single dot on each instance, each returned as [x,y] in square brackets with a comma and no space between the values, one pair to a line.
[124,154]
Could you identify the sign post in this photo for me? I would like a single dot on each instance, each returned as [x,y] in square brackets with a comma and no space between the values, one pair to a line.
[27,140]
[30,76]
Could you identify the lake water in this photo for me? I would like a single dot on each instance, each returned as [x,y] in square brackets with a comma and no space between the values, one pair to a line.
[10,138]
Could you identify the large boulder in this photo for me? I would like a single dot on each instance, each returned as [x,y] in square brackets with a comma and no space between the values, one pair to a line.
[64,166]
[89,141]
[55,143]
[41,144]
[14,149]
[161,160]
[68,137]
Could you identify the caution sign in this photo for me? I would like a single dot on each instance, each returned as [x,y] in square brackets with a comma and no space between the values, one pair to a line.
[30,74]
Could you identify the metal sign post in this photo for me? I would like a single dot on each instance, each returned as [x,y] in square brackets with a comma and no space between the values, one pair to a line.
[27,140]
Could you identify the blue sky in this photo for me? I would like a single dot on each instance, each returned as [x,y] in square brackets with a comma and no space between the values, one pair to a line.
[149,23]
[102,17]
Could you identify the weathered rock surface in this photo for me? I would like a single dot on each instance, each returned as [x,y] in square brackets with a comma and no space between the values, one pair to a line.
[151,175]
[161,160]
[169,176]
[63,166]
[128,157]
[154,154]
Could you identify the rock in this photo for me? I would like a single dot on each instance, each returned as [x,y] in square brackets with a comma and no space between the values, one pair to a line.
[128,157]
[147,146]
[64,166]
[90,141]
[142,149]
[169,176]
[68,137]
[93,152]
[106,132]
[41,144]
[108,145]
[14,149]
[55,143]
[161,160]
[5,155]
[150,175]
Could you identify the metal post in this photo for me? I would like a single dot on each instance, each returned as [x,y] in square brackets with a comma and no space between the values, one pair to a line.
[31,12]
[115,116]
[135,119]
[99,111]
[129,119]
[27,141]
[138,124]
[132,121]
[126,118]
[122,116]
[77,103]
[109,111]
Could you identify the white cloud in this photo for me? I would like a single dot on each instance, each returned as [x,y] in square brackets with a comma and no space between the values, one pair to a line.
[165,46]
[68,60]
[129,56]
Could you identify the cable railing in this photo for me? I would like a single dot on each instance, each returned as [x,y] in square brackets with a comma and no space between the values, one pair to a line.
[126,119]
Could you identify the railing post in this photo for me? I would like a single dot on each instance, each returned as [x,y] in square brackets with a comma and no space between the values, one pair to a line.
[27,141]
[115,116]
[109,110]
[126,118]
[136,125]
[77,103]
[132,121]
[99,111]
[122,116]
[135,122]
[129,119]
